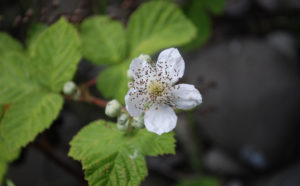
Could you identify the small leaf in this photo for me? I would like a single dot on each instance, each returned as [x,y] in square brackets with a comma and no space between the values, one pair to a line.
[113,83]
[215,6]
[56,53]
[15,77]
[28,117]
[157,25]
[8,44]
[109,157]
[103,40]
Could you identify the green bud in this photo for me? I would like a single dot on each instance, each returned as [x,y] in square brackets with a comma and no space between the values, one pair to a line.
[113,108]
[129,75]
[138,122]
[123,122]
[145,57]
[70,88]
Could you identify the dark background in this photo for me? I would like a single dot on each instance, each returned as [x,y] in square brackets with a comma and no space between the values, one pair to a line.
[246,132]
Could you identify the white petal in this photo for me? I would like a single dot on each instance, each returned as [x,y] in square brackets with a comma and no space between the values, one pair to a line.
[171,64]
[186,96]
[160,119]
[138,68]
[135,102]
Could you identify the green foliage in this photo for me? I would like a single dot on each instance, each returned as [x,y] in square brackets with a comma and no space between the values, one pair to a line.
[28,117]
[55,54]
[152,27]
[103,40]
[34,31]
[30,83]
[157,25]
[112,157]
[198,11]
[201,181]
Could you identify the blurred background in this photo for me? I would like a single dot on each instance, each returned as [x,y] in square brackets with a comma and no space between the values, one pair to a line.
[245,62]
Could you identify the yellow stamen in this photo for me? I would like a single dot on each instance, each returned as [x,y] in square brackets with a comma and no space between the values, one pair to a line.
[155,88]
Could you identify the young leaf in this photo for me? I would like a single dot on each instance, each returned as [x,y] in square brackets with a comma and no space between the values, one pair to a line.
[157,25]
[34,31]
[201,181]
[113,82]
[8,44]
[109,157]
[103,40]
[28,117]
[15,77]
[56,53]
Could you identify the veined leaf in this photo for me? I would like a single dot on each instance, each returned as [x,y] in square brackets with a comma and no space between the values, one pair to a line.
[28,117]
[109,157]
[8,44]
[15,77]
[157,25]
[103,40]
[56,54]
[34,31]
[113,83]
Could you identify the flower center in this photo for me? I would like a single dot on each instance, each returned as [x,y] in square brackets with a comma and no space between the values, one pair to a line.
[155,88]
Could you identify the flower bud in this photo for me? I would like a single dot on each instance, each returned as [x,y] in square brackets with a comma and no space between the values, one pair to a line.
[145,57]
[123,122]
[70,88]
[113,108]
[138,122]
[129,75]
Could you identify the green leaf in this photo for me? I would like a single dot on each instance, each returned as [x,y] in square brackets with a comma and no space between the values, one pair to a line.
[8,44]
[15,77]
[113,83]
[103,40]
[56,54]
[215,6]
[196,12]
[157,25]
[109,157]
[28,117]
[201,181]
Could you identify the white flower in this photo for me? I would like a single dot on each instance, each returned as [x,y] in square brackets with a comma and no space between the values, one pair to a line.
[155,93]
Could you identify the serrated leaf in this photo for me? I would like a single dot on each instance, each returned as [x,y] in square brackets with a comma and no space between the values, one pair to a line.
[56,54]
[28,117]
[157,25]
[103,40]
[215,6]
[15,77]
[8,44]
[197,13]
[113,83]
[109,157]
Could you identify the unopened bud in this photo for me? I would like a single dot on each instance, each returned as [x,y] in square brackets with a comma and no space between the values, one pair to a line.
[145,57]
[113,108]
[123,122]
[70,88]
[138,122]
[129,75]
